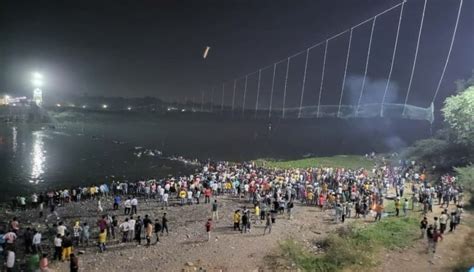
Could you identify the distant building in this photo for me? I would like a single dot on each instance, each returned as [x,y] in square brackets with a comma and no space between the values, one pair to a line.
[13,100]
[3,100]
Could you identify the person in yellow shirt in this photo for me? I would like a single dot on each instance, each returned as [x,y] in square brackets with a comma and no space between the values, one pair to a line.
[257,213]
[67,247]
[102,240]
[92,191]
[182,196]
[325,188]
[237,220]
[309,197]
[397,206]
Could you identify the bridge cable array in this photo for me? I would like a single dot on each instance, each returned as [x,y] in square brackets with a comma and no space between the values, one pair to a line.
[340,111]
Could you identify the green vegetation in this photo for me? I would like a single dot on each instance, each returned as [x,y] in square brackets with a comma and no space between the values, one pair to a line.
[458,113]
[466,249]
[438,152]
[453,146]
[345,161]
[467,257]
[354,246]
[466,178]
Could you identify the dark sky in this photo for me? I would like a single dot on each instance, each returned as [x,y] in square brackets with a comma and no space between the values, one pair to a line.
[154,48]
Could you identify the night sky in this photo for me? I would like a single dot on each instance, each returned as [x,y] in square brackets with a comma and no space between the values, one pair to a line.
[154,48]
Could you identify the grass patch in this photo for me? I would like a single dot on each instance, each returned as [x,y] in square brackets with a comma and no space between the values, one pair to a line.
[467,260]
[341,161]
[353,246]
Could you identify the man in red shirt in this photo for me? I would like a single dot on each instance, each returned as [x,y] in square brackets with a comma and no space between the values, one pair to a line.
[207,195]
[437,236]
[208,229]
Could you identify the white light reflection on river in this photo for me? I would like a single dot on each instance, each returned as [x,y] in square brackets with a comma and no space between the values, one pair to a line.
[14,140]
[38,158]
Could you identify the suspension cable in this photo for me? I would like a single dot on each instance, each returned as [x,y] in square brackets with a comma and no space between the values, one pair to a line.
[449,52]
[271,92]
[233,96]
[245,94]
[322,77]
[258,91]
[415,58]
[304,82]
[392,60]
[331,37]
[202,101]
[286,84]
[212,99]
[366,65]
[223,91]
[345,71]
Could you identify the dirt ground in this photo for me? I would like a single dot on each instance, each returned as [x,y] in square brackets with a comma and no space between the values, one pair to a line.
[186,247]
[449,252]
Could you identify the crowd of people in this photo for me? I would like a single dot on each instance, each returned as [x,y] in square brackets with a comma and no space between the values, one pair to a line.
[270,193]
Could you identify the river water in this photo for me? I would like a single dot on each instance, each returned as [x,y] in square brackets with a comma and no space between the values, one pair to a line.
[97,149]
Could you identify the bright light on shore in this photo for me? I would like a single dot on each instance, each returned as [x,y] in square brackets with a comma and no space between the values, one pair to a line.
[37,79]
[129,108]
[105,106]
[58,105]
[84,106]
[37,75]
[37,82]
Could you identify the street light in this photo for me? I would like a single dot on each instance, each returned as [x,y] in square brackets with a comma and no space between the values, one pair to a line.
[37,82]
[105,106]
[37,79]
[37,75]
[37,92]
[129,108]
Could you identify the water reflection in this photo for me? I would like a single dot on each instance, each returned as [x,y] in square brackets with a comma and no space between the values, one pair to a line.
[14,139]
[38,158]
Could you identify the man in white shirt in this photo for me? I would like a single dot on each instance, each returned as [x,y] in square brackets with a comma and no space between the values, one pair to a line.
[190,197]
[443,221]
[124,228]
[128,205]
[134,203]
[161,192]
[58,242]
[165,201]
[34,200]
[10,260]
[131,228]
[61,229]
[23,202]
[37,242]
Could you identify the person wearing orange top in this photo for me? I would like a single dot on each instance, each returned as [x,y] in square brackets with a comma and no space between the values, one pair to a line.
[322,200]
[379,210]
